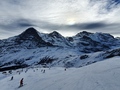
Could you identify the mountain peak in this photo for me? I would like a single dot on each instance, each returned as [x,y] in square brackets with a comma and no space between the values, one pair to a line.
[30,37]
[83,33]
[30,34]
[55,33]
[30,30]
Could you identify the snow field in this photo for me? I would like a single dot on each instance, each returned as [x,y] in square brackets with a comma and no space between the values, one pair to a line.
[104,75]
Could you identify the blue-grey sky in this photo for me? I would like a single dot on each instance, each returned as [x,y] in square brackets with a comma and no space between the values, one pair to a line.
[68,17]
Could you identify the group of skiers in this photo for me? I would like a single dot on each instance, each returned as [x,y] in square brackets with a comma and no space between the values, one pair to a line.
[21,81]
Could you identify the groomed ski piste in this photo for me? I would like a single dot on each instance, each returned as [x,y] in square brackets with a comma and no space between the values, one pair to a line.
[103,75]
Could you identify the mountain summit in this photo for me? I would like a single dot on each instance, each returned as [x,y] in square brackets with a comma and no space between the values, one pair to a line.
[30,31]
[30,38]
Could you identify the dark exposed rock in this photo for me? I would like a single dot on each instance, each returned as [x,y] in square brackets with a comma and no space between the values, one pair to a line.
[84,57]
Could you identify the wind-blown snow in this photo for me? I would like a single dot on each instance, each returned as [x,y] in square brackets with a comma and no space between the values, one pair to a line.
[104,75]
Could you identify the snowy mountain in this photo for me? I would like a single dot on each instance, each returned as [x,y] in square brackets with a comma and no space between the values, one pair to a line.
[93,42]
[31,36]
[56,39]
[34,48]
[48,61]
[28,39]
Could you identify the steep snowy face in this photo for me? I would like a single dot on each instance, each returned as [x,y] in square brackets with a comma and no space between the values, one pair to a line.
[56,39]
[104,38]
[92,42]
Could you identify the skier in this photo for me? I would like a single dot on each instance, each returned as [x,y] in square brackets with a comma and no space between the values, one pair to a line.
[65,69]
[12,78]
[44,71]
[21,82]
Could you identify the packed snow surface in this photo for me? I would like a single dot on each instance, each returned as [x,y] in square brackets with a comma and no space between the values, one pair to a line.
[104,75]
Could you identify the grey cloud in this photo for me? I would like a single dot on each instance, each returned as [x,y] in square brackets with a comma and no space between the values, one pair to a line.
[112,28]
[92,25]
[22,13]
[109,6]
[80,26]
[21,23]
[24,23]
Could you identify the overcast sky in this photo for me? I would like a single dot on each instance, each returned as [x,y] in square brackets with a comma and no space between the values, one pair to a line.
[68,17]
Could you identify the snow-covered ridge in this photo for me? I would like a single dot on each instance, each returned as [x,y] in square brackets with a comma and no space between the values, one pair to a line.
[55,39]
[90,42]
[32,47]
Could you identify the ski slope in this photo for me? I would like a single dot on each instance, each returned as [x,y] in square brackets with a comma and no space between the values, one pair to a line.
[104,75]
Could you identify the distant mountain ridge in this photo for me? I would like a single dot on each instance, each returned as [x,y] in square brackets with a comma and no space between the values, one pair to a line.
[32,47]
[94,41]
[90,41]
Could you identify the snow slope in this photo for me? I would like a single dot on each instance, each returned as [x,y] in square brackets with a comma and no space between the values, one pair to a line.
[104,75]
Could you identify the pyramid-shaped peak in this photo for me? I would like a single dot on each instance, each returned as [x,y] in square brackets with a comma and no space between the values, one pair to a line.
[30,30]
[83,33]
[55,33]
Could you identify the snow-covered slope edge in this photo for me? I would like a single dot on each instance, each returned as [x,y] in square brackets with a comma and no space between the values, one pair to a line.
[104,75]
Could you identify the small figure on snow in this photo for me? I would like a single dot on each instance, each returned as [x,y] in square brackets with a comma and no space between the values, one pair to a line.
[65,69]
[26,71]
[12,78]
[44,71]
[33,70]
[21,82]
[10,72]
